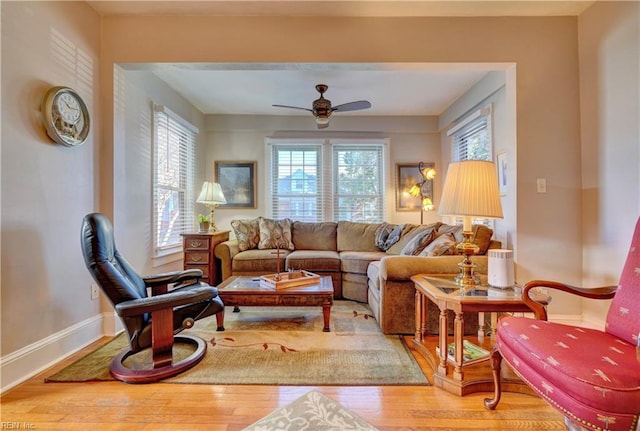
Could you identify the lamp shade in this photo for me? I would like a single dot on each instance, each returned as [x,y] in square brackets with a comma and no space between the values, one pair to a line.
[471,190]
[211,194]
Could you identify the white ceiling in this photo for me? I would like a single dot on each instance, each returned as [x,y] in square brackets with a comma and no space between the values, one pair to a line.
[392,89]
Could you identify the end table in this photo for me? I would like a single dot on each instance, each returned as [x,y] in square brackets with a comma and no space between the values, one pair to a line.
[198,253]
[449,369]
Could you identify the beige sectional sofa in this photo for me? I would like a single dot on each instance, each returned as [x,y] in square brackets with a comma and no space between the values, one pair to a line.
[368,262]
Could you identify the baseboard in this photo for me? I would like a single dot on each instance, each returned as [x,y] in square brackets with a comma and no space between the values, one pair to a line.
[25,363]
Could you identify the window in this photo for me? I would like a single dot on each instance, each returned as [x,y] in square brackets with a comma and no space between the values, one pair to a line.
[472,137]
[173,180]
[358,183]
[327,180]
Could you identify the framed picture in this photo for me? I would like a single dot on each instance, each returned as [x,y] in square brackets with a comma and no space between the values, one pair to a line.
[501,161]
[238,182]
[407,176]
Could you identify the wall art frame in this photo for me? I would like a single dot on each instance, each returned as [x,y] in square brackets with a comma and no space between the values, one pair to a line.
[408,175]
[238,182]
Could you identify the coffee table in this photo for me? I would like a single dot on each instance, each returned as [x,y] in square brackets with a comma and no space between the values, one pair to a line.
[246,291]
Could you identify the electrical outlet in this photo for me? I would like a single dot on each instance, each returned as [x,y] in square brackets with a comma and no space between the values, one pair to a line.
[94,291]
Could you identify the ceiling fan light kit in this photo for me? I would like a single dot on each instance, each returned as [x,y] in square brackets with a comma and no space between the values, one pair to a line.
[321,108]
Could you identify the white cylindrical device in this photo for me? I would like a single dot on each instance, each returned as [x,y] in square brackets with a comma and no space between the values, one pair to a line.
[500,268]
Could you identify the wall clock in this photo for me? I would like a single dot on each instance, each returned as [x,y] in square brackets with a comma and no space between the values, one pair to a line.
[66,117]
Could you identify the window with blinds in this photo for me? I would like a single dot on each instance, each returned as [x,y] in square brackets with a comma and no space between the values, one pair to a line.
[357,176]
[296,182]
[472,137]
[325,180]
[173,180]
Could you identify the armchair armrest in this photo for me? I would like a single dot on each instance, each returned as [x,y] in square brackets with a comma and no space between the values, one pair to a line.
[172,277]
[539,309]
[136,307]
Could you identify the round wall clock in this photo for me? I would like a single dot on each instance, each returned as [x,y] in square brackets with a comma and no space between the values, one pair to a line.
[66,117]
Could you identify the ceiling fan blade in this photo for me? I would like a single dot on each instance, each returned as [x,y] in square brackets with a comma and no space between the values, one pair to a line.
[353,106]
[292,107]
[322,125]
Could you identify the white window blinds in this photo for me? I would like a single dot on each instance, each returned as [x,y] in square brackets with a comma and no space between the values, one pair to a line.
[357,175]
[296,182]
[472,137]
[326,181]
[173,180]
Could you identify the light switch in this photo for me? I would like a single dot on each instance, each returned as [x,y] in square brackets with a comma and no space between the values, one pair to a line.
[542,185]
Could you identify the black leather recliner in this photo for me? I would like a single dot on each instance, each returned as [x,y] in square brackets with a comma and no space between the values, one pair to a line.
[150,321]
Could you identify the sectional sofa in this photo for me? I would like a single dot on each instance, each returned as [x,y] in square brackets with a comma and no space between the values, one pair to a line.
[368,262]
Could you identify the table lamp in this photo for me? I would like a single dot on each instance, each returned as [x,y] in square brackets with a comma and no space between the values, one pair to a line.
[212,196]
[470,191]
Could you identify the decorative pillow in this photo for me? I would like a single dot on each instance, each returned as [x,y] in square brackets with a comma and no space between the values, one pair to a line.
[443,244]
[383,234]
[275,234]
[247,233]
[394,237]
[409,232]
[418,243]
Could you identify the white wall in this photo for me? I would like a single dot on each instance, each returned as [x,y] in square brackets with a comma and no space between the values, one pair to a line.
[242,138]
[46,188]
[133,195]
[610,118]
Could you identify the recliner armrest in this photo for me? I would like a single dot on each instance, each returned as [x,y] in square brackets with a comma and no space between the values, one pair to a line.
[137,307]
[539,309]
[172,277]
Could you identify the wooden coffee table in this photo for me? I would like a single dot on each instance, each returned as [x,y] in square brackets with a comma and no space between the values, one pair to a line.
[246,291]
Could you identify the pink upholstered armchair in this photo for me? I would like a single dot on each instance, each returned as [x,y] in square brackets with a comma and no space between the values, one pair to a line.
[592,377]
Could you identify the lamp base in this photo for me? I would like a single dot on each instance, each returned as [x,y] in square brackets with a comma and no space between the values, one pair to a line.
[466,276]
[212,224]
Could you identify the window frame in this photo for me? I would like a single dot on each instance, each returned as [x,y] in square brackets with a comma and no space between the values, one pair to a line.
[186,134]
[477,122]
[326,183]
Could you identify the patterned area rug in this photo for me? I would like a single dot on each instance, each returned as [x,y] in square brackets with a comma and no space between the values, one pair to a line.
[313,412]
[285,346]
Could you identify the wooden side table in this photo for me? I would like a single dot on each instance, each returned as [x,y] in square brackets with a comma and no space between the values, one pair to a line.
[198,253]
[452,372]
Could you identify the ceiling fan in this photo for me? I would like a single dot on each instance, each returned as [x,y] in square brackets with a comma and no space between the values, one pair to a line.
[322,109]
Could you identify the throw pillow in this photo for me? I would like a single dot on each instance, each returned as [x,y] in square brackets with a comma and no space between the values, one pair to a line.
[382,235]
[418,243]
[247,233]
[275,234]
[408,233]
[443,244]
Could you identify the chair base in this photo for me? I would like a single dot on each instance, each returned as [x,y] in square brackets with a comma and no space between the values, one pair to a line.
[128,375]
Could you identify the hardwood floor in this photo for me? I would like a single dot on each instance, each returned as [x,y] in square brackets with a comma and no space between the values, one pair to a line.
[164,406]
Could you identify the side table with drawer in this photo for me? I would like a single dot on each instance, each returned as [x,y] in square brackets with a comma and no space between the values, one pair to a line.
[198,253]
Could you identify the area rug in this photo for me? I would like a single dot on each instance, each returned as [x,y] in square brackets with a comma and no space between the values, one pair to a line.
[313,412]
[276,345]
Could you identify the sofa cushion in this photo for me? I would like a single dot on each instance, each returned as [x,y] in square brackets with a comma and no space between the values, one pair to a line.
[275,234]
[481,235]
[254,261]
[373,272]
[314,260]
[387,234]
[418,242]
[354,236]
[444,244]
[409,232]
[314,236]
[356,262]
[247,233]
